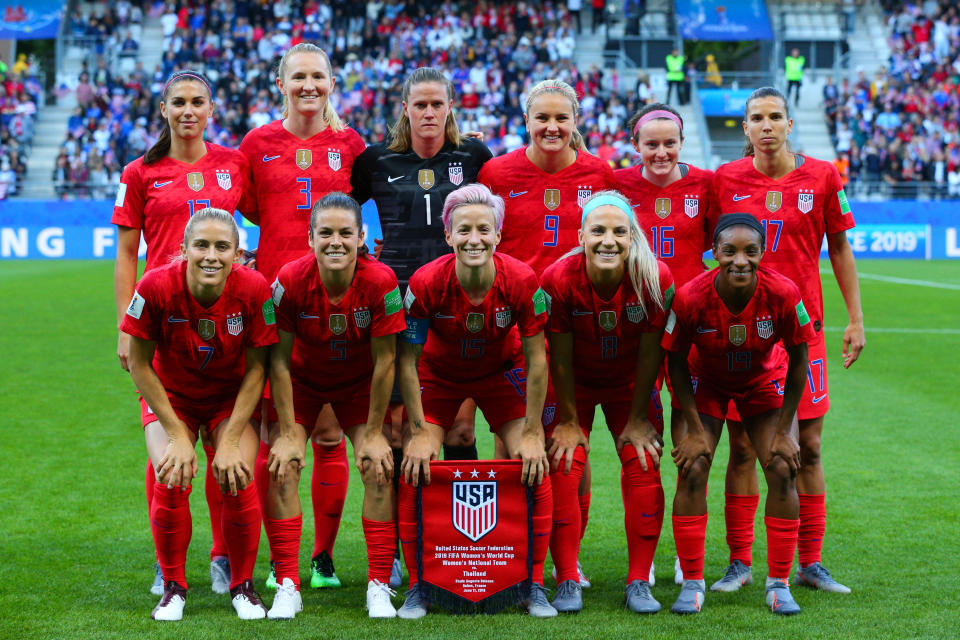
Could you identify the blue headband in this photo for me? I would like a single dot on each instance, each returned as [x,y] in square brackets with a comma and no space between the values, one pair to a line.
[604,200]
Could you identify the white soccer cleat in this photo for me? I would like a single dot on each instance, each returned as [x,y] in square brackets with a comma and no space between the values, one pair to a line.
[246,602]
[653,579]
[170,607]
[378,600]
[287,603]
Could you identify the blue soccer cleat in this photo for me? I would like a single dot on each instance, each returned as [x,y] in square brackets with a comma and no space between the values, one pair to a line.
[816,576]
[737,575]
[691,596]
[779,598]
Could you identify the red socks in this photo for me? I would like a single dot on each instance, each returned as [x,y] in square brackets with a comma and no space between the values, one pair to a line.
[381,546]
[214,505]
[241,529]
[813,525]
[781,541]
[739,512]
[542,523]
[149,480]
[172,527]
[328,492]
[261,478]
[584,500]
[690,533]
[284,537]
[642,495]
[407,527]
[565,536]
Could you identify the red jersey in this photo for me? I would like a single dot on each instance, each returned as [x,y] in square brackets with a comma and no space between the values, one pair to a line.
[796,210]
[159,198]
[467,341]
[606,333]
[332,345]
[543,210]
[287,175]
[201,351]
[737,350]
[678,218]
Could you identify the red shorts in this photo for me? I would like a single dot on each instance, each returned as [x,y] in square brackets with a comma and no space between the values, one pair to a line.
[763,394]
[501,397]
[615,403]
[193,415]
[351,405]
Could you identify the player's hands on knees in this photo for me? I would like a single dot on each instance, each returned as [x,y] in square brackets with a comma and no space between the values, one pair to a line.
[418,453]
[123,350]
[693,446]
[374,449]
[854,340]
[178,466]
[231,471]
[785,445]
[642,435]
[286,453]
[566,437]
[531,450]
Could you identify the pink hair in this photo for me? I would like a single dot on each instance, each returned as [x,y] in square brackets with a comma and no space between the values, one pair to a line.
[473,194]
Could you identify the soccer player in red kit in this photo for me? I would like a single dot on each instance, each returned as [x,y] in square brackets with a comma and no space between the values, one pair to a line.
[338,314]
[200,329]
[723,339]
[608,305]
[293,163]
[799,200]
[475,323]
[158,193]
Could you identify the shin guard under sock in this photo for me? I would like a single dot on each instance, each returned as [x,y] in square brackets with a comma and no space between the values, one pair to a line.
[690,533]
[642,495]
[739,513]
[241,530]
[813,526]
[215,506]
[565,535]
[328,492]
[172,527]
[381,547]
[781,542]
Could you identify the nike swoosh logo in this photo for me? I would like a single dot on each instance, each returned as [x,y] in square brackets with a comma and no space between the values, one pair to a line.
[514,194]
[267,158]
[157,185]
[648,515]
[737,198]
[816,399]
[308,317]
[172,319]
[443,317]
[702,330]
[583,313]
[391,179]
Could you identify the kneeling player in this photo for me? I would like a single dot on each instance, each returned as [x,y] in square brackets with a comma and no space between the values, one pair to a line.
[475,324]
[339,312]
[723,338]
[200,330]
[608,306]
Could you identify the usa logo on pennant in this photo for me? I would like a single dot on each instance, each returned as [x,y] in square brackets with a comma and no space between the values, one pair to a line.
[223,179]
[504,316]
[234,324]
[805,200]
[691,205]
[764,327]
[361,317]
[474,508]
[333,159]
[583,194]
[549,413]
[455,172]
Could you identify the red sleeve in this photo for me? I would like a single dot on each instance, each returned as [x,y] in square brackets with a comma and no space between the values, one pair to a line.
[143,316]
[262,312]
[386,307]
[609,180]
[248,201]
[284,301]
[676,335]
[712,214]
[836,209]
[131,198]
[795,323]
[557,305]
[531,303]
[357,143]
[414,304]
[488,176]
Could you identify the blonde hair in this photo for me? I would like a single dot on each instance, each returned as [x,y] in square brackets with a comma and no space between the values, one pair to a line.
[217,215]
[329,114]
[555,85]
[641,262]
[400,133]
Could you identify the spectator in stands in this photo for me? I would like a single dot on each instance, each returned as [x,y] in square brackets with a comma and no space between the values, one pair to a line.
[675,75]
[793,64]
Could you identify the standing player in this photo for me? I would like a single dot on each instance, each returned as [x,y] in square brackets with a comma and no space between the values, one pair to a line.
[475,324]
[200,328]
[158,193]
[544,185]
[723,338]
[799,200]
[409,178]
[338,312]
[293,163]
[672,200]
[608,306]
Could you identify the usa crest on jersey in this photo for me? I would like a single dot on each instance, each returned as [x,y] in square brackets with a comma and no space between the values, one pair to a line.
[551,198]
[737,334]
[474,322]
[361,317]
[549,413]
[333,159]
[304,158]
[805,200]
[206,328]
[608,320]
[691,205]
[338,323]
[764,327]
[455,172]
[474,508]
[635,313]
[504,316]
[195,180]
[234,324]
[662,207]
[583,194]
[223,179]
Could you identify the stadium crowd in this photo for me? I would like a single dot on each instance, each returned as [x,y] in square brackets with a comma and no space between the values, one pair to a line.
[897,132]
[19,94]
[493,52]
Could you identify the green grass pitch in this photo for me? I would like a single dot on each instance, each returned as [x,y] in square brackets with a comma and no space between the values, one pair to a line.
[76,553]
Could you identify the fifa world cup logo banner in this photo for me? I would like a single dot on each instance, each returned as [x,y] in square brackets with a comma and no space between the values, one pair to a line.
[474,524]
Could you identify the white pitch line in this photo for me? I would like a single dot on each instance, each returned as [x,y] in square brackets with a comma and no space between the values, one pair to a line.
[895,280]
[869,330]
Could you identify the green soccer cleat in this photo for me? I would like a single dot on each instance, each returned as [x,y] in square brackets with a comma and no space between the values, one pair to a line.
[271,578]
[322,574]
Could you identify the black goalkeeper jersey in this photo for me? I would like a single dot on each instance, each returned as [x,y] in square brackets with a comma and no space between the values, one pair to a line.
[409,192]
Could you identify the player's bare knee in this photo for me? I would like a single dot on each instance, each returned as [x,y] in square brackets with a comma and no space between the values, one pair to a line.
[696,479]
[810,449]
[778,475]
